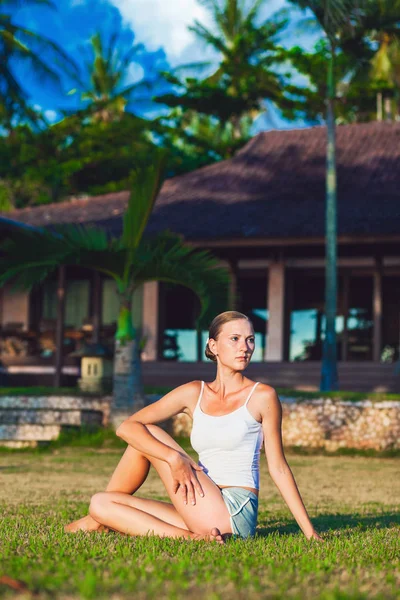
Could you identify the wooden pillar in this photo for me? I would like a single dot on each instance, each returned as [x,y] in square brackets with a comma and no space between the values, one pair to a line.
[60,326]
[150,320]
[377,309]
[276,311]
[346,290]
[96,306]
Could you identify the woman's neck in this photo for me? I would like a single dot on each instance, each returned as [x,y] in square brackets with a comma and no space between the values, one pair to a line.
[227,381]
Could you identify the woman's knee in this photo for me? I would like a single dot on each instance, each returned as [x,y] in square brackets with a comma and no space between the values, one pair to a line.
[98,505]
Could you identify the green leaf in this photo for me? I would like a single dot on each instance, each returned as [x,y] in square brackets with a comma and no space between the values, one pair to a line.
[145,185]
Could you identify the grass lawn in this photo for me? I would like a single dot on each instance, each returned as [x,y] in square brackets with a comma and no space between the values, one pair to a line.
[353,502]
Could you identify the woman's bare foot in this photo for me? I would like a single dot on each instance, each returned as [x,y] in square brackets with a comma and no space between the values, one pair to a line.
[84,524]
[214,536]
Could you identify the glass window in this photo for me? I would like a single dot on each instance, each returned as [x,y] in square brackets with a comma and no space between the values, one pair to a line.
[391,319]
[179,307]
[307,318]
[77,303]
[252,290]
[49,300]
[360,322]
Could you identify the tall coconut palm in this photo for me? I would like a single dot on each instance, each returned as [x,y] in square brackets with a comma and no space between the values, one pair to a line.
[102,83]
[379,33]
[31,254]
[18,43]
[247,73]
[337,19]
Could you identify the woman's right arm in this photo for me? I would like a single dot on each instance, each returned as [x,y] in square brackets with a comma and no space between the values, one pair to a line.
[135,433]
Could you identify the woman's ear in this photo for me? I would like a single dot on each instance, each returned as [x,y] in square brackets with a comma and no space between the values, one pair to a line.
[212,344]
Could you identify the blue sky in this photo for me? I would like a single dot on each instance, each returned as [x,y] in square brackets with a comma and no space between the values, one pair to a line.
[161,25]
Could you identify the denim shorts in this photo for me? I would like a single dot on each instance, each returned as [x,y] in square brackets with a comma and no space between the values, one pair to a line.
[243,510]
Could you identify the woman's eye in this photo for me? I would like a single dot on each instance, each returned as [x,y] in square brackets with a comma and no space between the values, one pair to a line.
[252,340]
[234,338]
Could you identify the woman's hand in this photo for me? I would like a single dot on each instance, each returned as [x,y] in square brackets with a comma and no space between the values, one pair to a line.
[315,536]
[183,470]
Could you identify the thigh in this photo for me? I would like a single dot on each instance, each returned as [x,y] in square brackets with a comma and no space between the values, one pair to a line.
[209,511]
[164,511]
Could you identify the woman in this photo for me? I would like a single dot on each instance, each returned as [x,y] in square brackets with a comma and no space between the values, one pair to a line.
[232,417]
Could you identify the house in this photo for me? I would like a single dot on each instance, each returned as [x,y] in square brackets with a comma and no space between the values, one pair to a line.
[263,213]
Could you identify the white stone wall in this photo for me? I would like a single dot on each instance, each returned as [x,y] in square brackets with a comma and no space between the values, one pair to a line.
[331,424]
[315,423]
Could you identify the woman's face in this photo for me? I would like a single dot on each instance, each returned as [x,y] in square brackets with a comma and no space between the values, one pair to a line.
[235,344]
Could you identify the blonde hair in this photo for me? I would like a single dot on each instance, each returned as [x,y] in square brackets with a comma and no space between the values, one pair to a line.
[216,326]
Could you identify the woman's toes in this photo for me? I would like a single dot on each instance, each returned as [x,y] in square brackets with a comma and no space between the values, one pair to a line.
[83,524]
[215,532]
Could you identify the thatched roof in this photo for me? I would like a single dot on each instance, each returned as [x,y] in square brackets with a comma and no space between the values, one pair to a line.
[273,187]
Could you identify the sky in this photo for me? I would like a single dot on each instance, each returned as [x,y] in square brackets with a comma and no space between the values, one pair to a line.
[160,25]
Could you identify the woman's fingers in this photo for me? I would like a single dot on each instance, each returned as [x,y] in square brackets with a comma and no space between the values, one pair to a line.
[192,498]
[196,484]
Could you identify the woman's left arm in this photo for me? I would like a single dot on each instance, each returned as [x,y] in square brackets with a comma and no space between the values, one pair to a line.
[281,475]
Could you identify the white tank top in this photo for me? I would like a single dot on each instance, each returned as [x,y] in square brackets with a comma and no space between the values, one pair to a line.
[228,446]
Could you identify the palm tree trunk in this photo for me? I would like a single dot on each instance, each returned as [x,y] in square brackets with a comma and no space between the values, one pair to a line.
[379,106]
[329,378]
[128,392]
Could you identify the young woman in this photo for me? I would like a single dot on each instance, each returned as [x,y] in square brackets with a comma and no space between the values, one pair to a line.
[232,417]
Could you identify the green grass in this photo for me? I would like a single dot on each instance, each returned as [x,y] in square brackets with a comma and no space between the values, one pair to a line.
[352,502]
[43,391]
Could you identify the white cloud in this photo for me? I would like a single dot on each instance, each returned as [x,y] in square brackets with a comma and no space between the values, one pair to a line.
[164,23]
[51,115]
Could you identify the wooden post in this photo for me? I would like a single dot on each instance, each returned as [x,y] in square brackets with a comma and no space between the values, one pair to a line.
[96,304]
[60,326]
[379,106]
[377,310]
[276,311]
[346,289]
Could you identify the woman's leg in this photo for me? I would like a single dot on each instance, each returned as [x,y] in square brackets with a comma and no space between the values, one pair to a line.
[120,512]
[128,515]
[129,475]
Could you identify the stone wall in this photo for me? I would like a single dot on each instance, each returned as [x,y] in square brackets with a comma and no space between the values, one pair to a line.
[332,424]
[27,420]
[315,423]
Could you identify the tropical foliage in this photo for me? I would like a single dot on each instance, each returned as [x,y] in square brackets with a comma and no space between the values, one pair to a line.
[207,116]
[247,74]
[30,255]
[23,44]
[101,82]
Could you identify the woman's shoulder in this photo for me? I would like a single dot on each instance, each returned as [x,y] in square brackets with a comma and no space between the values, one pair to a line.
[264,388]
[265,394]
[191,388]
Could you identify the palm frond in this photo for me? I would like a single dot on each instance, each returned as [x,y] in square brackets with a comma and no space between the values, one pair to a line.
[207,36]
[28,255]
[145,185]
[166,258]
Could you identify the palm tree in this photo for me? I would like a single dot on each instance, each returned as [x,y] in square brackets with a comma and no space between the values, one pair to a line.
[378,34]
[337,19]
[246,76]
[21,44]
[102,83]
[30,255]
